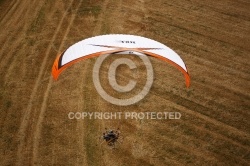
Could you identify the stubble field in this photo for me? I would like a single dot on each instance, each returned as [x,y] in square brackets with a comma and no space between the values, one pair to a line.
[213,39]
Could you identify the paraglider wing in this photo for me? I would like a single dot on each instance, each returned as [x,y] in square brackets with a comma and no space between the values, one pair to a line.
[117,44]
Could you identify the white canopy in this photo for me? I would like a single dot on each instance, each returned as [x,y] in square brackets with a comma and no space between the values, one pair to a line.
[117,44]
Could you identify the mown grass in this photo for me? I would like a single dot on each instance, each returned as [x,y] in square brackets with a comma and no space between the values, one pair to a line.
[195,132]
[38,22]
[95,10]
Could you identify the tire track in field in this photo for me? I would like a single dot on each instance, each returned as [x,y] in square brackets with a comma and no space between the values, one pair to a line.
[217,135]
[209,102]
[18,31]
[5,59]
[235,86]
[204,52]
[24,124]
[115,18]
[80,128]
[109,159]
[14,41]
[215,89]
[101,24]
[10,11]
[5,8]
[204,117]
[219,124]
[204,145]
[157,127]
[199,36]
[173,97]
[15,16]
[205,155]
[212,28]
[101,19]
[17,37]
[210,120]
[103,105]
[15,10]
[117,26]
[234,9]
[163,140]
[181,139]
[5,16]
[37,133]
[85,140]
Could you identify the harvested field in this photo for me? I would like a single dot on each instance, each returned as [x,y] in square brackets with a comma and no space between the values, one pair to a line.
[213,39]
